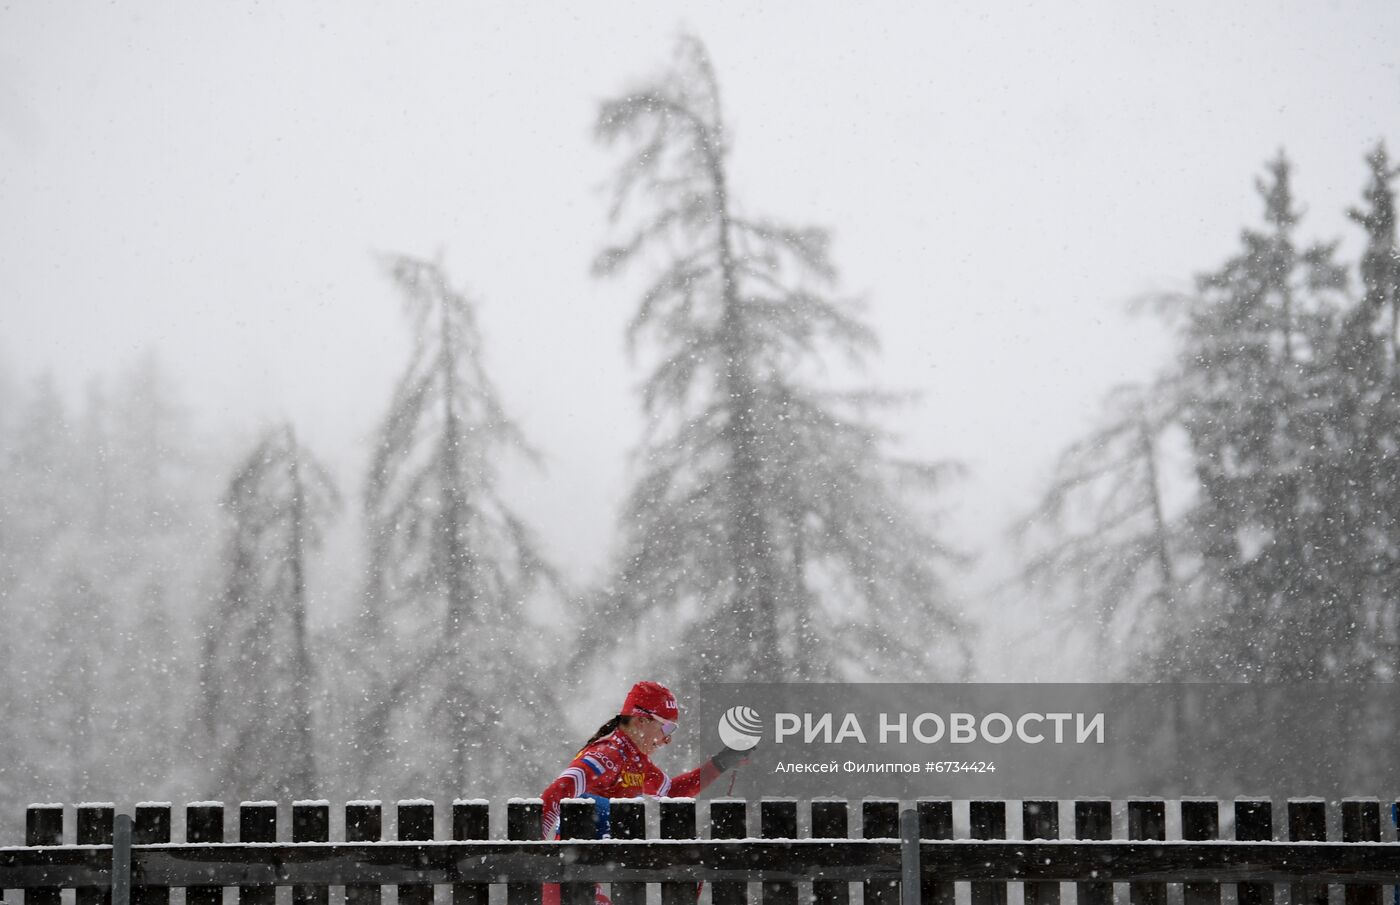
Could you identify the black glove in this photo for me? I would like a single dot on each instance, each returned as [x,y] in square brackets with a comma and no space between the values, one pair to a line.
[730,757]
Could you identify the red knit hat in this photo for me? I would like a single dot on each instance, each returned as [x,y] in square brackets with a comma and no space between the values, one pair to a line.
[651,699]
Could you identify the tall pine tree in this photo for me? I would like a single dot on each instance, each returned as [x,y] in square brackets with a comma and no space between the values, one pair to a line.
[1255,359]
[1366,387]
[1275,391]
[1104,531]
[454,692]
[771,534]
[102,542]
[1380,262]
[257,672]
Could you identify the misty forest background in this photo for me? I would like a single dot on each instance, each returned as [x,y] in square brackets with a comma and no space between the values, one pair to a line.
[1236,518]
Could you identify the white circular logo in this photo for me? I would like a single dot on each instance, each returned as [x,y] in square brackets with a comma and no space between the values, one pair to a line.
[740,728]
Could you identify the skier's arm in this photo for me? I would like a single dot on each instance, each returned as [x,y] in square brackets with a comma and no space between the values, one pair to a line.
[693,782]
[585,771]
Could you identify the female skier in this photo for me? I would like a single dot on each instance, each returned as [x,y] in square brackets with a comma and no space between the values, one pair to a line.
[616,763]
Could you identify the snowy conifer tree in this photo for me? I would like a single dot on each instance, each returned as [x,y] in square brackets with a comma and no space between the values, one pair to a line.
[1363,497]
[39,507]
[101,552]
[770,534]
[150,555]
[1103,530]
[257,672]
[1255,354]
[1250,578]
[452,696]
[1380,263]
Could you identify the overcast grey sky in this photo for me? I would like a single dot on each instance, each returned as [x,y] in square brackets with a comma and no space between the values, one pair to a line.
[210,180]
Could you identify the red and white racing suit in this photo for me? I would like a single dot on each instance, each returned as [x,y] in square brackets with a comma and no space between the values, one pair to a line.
[614,767]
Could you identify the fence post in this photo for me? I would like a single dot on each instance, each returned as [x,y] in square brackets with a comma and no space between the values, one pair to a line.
[729,819]
[879,819]
[311,822]
[257,822]
[415,824]
[151,827]
[204,822]
[1254,822]
[1147,822]
[936,822]
[471,819]
[43,825]
[987,820]
[1200,822]
[628,817]
[1040,819]
[677,821]
[577,820]
[364,822]
[830,820]
[909,885]
[777,819]
[1361,822]
[524,822]
[94,827]
[121,859]
[1093,820]
[1307,822]
[1395,822]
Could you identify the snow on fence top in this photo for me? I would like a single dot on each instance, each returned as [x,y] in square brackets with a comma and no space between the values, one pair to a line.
[414,801]
[478,802]
[311,803]
[254,804]
[364,803]
[88,805]
[787,855]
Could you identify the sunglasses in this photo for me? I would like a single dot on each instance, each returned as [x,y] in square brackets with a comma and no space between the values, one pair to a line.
[668,727]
